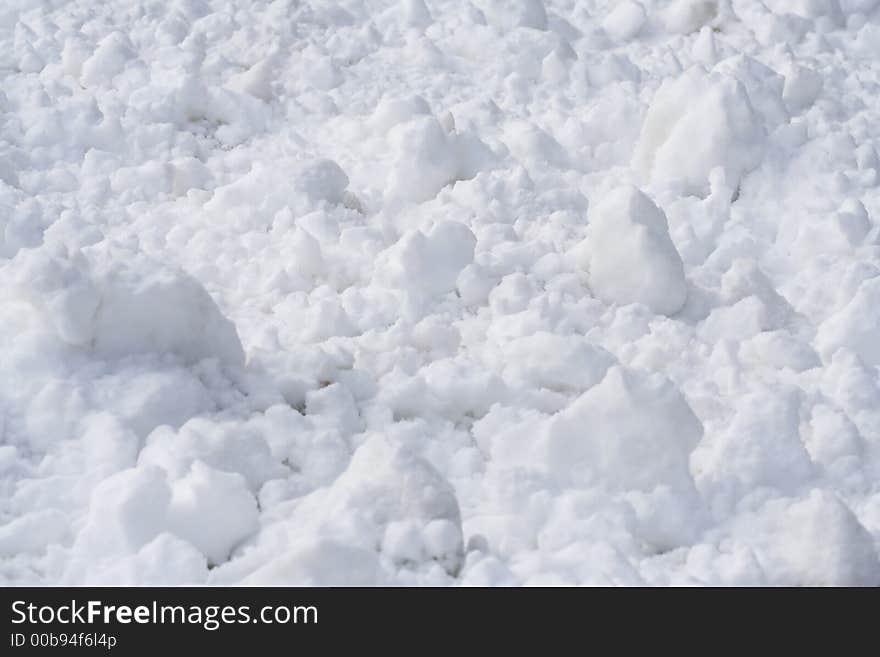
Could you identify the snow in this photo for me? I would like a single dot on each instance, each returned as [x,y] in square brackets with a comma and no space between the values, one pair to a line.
[429,292]
[631,256]
[625,20]
[687,16]
[696,122]
[213,510]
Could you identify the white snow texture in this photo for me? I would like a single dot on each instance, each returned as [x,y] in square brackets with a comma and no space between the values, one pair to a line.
[440,292]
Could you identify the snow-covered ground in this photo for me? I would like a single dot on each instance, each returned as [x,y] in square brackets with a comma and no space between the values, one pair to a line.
[440,292]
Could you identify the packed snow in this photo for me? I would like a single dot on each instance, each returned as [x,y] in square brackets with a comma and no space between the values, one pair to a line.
[440,292]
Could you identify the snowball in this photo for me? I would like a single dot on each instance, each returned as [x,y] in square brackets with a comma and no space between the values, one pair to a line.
[213,510]
[855,327]
[695,123]
[631,257]
[627,432]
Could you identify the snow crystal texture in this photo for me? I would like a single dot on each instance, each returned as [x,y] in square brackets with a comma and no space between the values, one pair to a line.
[440,292]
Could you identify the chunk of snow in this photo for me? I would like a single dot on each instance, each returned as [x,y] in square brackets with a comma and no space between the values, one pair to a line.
[697,122]
[855,326]
[686,16]
[631,256]
[213,510]
[625,20]
[626,432]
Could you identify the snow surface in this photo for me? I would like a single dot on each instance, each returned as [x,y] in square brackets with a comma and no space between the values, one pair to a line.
[440,292]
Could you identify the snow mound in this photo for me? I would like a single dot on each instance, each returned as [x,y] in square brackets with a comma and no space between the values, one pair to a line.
[427,262]
[855,326]
[555,361]
[410,292]
[117,302]
[813,541]
[627,432]
[389,510]
[697,122]
[686,16]
[213,510]
[511,14]
[426,156]
[631,258]
[625,20]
